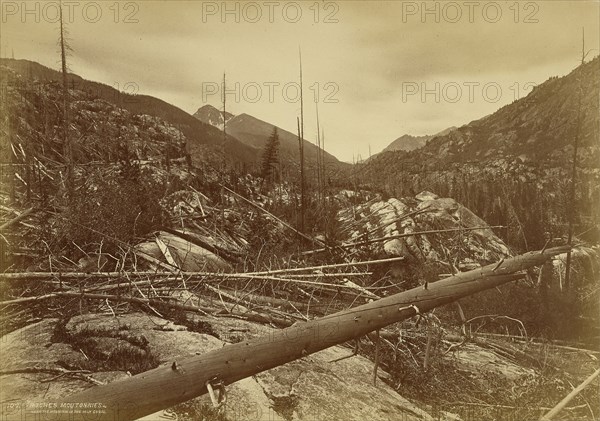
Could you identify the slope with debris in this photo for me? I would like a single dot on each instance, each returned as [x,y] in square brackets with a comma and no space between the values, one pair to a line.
[152,257]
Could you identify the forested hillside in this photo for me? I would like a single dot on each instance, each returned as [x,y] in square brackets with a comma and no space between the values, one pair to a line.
[513,167]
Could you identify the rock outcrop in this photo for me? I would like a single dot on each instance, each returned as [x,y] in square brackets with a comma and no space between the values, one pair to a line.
[54,358]
[462,230]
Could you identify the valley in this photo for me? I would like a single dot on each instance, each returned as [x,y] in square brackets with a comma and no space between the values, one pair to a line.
[159,264]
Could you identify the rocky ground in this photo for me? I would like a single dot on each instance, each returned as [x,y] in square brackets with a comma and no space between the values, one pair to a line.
[65,349]
[54,358]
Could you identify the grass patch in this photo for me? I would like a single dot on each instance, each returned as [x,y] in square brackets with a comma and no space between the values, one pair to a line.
[192,411]
[285,405]
[107,349]
[180,317]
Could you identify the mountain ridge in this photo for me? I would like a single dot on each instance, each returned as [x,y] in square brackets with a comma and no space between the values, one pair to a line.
[537,128]
[199,134]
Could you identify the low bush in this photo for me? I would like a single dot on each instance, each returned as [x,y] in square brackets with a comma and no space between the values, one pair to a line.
[114,209]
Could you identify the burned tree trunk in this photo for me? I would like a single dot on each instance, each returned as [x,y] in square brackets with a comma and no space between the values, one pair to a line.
[193,376]
[67,147]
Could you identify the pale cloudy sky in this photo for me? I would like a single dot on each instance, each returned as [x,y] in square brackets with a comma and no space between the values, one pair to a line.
[381,68]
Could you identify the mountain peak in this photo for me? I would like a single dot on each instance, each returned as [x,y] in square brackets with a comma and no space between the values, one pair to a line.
[254,132]
[409,142]
[211,115]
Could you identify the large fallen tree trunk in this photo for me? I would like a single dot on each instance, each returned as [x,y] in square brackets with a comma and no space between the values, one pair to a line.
[193,376]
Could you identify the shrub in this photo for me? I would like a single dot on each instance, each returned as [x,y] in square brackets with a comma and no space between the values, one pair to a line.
[114,208]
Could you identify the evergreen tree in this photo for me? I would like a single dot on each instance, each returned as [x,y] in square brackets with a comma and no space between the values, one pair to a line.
[270,155]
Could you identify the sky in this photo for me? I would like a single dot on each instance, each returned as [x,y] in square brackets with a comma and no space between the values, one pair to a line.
[376,70]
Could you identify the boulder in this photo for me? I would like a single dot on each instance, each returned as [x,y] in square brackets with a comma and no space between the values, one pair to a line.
[184,254]
[384,218]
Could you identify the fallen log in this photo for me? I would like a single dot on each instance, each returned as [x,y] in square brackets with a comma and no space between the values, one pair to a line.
[555,343]
[16,219]
[560,406]
[397,236]
[265,300]
[187,378]
[336,265]
[172,278]
[30,276]
[93,296]
[168,276]
[159,301]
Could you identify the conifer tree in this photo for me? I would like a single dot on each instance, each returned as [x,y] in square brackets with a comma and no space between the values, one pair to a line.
[270,155]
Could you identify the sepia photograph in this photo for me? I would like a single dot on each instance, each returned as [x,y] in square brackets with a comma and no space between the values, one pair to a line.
[311,210]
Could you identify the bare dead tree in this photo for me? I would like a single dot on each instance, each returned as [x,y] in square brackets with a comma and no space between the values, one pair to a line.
[572,209]
[583,52]
[301,147]
[319,170]
[223,147]
[301,139]
[224,116]
[324,167]
[67,150]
